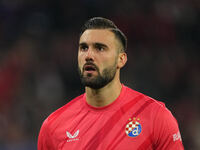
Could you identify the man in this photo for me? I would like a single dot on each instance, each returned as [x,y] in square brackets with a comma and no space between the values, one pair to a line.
[109,115]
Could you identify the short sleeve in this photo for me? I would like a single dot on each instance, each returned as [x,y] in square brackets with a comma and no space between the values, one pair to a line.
[44,138]
[166,131]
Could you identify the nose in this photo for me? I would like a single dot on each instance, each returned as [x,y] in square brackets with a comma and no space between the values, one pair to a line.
[89,55]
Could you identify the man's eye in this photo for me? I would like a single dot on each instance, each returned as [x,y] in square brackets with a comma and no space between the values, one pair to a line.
[100,48]
[83,48]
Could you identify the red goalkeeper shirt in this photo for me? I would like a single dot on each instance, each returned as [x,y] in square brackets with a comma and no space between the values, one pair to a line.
[132,122]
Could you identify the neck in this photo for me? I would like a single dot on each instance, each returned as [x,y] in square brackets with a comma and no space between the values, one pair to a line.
[104,96]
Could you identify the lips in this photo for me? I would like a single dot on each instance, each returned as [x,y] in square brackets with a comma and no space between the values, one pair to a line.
[89,67]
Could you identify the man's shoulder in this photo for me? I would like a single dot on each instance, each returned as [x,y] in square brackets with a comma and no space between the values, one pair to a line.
[143,98]
[70,106]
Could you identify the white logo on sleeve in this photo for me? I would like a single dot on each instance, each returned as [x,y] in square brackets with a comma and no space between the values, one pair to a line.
[177,136]
[72,137]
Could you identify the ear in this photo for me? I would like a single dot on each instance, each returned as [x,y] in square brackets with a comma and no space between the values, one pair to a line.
[122,59]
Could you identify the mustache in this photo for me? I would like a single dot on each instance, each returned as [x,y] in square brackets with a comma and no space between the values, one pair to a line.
[90,64]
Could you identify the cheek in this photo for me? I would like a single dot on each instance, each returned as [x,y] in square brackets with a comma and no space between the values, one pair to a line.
[106,63]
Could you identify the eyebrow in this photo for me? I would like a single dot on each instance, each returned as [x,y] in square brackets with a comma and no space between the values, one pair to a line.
[82,44]
[100,45]
[97,44]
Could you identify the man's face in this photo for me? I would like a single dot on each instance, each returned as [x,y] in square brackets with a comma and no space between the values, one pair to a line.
[97,57]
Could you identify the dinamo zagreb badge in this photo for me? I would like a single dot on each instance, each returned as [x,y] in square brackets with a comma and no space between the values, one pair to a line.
[133,127]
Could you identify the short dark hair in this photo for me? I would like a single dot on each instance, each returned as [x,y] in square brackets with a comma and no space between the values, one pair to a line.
[103,23]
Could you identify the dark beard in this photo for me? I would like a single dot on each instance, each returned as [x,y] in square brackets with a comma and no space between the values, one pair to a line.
[99,81]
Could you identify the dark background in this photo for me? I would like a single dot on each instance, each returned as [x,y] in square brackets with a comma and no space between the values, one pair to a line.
[38,60]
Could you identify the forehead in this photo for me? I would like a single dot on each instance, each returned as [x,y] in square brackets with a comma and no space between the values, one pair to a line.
[98,35]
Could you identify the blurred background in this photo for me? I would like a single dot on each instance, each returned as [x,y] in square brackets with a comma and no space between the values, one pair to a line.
[38,60]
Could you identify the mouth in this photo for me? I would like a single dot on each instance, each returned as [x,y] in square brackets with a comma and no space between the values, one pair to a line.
[89,68]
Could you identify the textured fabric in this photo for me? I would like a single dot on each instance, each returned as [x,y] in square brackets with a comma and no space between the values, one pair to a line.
[132,122]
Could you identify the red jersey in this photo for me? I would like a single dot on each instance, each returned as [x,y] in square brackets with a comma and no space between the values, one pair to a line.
[132,122]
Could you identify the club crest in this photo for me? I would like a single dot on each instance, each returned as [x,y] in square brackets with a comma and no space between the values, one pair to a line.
[133,127]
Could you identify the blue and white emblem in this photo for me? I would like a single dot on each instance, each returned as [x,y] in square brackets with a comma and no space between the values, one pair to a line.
[133,128]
